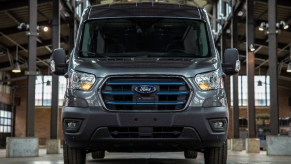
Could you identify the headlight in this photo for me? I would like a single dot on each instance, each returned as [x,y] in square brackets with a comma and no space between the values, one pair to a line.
[82,81]
[210,80]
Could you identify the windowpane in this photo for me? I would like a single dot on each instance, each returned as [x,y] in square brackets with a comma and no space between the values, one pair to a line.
[44,91]
[244,89]
[38,90]
[62,89]
[262,93]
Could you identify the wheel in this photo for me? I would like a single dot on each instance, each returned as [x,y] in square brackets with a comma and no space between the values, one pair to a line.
[98,154]
[216,155]
[190,154]
[73,155]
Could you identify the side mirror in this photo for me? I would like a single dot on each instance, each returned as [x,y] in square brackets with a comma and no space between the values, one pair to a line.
[58,62]
[231,63]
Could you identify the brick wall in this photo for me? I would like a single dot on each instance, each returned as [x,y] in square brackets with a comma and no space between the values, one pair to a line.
[284,108]
[42,118]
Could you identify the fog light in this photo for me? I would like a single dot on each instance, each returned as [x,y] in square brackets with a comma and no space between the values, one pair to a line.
[218,125]
[72,125]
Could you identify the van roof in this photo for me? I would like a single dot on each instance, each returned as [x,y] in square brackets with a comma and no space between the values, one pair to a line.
[144,9]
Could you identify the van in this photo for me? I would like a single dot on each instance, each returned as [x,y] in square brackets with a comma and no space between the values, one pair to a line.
[145,77]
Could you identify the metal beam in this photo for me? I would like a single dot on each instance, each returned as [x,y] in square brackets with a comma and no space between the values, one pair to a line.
[250,70]
[55,78]
[235,111]
[273,67]
[280,51]
[31,68]
[43,44]
[283,4]
[9,5]
[20,46]
[13,17]
[7,66]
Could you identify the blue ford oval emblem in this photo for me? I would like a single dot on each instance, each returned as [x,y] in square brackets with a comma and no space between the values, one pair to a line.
[145,89]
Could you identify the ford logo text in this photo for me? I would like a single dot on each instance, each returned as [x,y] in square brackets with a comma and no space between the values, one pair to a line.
[145,89]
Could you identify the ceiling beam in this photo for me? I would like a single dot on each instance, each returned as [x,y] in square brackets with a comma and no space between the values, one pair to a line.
[282,3]
[16,4]
[44,43]
[13,30]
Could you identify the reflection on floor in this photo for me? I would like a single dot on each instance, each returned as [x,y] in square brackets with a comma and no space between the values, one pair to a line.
[149,158]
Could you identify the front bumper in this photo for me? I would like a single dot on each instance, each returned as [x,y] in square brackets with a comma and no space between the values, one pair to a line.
[93,132]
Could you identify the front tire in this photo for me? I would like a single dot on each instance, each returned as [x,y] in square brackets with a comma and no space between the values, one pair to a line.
[216,155]
[189,154]
[98,154]
[73,155]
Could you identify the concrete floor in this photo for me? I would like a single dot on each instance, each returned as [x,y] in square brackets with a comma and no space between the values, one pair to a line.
[149,158]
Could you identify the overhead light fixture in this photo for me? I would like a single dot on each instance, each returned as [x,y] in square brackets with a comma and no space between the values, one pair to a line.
[282,25]
[16,68]
[240,13]
[260,83]
[45,29]
[48,83]
[24,26]
[263,26]
[252,48]
[289,67]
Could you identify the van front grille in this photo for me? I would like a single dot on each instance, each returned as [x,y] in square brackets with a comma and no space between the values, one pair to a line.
[145,93]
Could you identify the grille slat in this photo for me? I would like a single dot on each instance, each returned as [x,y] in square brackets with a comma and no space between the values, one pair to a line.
[144,83]
[121,93]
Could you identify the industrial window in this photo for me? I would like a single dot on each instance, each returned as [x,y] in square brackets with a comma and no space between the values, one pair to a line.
[262,91]
[5,120]
[43,90]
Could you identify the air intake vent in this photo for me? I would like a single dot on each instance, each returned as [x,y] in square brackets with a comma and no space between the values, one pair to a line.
[145,93]
[151,132]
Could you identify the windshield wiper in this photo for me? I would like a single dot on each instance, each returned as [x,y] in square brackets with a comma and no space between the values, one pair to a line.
[87,52]
[92,54]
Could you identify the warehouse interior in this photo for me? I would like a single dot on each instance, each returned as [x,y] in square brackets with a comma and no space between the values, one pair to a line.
[259,96]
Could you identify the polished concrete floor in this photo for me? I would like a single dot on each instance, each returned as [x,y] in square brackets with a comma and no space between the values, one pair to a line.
[150,158]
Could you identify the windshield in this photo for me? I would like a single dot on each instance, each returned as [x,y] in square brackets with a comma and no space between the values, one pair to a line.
[144,37]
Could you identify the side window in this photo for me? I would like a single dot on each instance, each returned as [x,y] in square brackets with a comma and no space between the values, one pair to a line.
[203,40]
[93,41]
[86,38]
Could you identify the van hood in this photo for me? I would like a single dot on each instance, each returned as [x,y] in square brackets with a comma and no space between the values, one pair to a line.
[103,67]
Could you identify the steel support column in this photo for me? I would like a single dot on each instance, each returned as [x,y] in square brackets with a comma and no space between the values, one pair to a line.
[250,70]
[32,37]
[235,109]
[273,68]
[55,78]
[222,49]
[214,11]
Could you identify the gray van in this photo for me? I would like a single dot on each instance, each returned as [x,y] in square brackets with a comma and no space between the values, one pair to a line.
[145,77]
